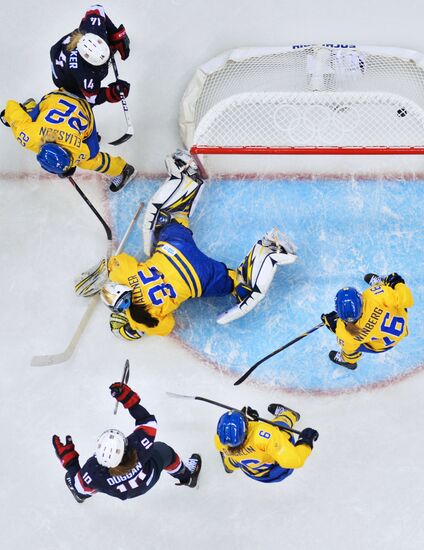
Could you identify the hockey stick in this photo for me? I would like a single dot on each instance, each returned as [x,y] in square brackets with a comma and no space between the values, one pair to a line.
[171,394]
[130,130]
[55,359]
[124,380]
[85,198]
[253,367]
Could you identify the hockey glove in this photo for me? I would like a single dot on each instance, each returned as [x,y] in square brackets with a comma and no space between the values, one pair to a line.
[121,328]
[124,394]
[393,279]
[330,320]
[66,453]
[114,90]
[250,413]
[68,173]
[307,436]
[120,42]
[3,118]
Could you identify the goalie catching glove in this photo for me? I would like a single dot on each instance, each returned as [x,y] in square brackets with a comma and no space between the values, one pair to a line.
[121,328]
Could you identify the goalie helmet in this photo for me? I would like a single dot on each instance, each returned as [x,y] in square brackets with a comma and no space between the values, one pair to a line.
[111,446]
[232,428]
[116,297]
[348,304]
[54,158]
[93,49]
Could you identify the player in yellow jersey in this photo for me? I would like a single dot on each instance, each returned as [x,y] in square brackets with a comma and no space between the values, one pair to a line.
[373,322]
[143,295]
[61,131]
[262,451]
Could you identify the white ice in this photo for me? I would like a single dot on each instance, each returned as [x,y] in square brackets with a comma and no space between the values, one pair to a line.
[362,488]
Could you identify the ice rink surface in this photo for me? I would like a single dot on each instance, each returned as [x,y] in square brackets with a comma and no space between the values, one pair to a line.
[363,487]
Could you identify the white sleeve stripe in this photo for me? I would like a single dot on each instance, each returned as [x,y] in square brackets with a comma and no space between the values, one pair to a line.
[83,490]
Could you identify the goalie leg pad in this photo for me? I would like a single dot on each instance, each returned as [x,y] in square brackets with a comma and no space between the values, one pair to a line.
[90,282]
[176,198]
[255,275]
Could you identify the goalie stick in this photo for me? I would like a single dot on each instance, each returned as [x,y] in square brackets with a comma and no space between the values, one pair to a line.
[290,430]
[55,359]
[124,380]
[253,367]
[130,130]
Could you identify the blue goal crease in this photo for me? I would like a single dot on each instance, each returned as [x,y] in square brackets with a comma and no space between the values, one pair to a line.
[342,230]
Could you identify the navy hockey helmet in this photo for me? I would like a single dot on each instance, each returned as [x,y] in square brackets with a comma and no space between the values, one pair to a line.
[348,303]
[54,158]
[232,428]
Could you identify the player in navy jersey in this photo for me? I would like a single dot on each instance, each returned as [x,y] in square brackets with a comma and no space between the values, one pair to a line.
[80,58]
[125,467]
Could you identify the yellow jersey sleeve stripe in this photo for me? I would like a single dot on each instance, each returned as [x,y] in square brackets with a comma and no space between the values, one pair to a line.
[180,263]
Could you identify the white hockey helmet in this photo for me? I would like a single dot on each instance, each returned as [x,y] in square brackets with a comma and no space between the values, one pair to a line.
[93,49]
[115,296]
[111,445]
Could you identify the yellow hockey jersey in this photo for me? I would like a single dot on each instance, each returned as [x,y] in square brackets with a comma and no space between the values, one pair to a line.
[383,323]
[66,120]
[159,284]
[266,449]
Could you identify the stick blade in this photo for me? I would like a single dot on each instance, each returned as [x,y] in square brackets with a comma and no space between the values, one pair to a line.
[171,394]
[122,139]
[47,360]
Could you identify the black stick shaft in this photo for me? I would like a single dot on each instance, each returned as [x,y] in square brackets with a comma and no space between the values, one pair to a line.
[87,200]
[253,367]
[124,380]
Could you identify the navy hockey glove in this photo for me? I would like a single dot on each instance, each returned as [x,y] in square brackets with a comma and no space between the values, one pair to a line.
[250,413]
[307,436]
[114,90]
[3,119]
[120,42]
[393,279]
[68,173]
[66,453]
[124,394]
[330,320]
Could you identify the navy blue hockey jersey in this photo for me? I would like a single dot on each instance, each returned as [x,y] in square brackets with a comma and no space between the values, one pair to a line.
[70,71]
[93,478]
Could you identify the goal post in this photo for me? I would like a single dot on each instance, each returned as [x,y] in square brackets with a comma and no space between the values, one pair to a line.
[306,100]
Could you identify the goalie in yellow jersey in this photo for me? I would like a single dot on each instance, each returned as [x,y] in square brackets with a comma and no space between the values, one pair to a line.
[373,322]
[265,452]
[61,131]
[143,295]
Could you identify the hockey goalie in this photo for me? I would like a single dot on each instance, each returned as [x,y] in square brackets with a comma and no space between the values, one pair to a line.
[143,295]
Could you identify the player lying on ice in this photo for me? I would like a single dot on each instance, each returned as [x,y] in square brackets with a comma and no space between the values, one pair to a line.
[144,295]
[61,131]
[263,452]
[373,322]
[125,467]
[80,58]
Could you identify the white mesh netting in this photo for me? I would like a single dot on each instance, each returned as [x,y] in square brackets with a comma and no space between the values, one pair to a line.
[310,96]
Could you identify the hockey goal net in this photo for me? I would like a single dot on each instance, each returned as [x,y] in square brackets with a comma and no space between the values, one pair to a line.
[314,100]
